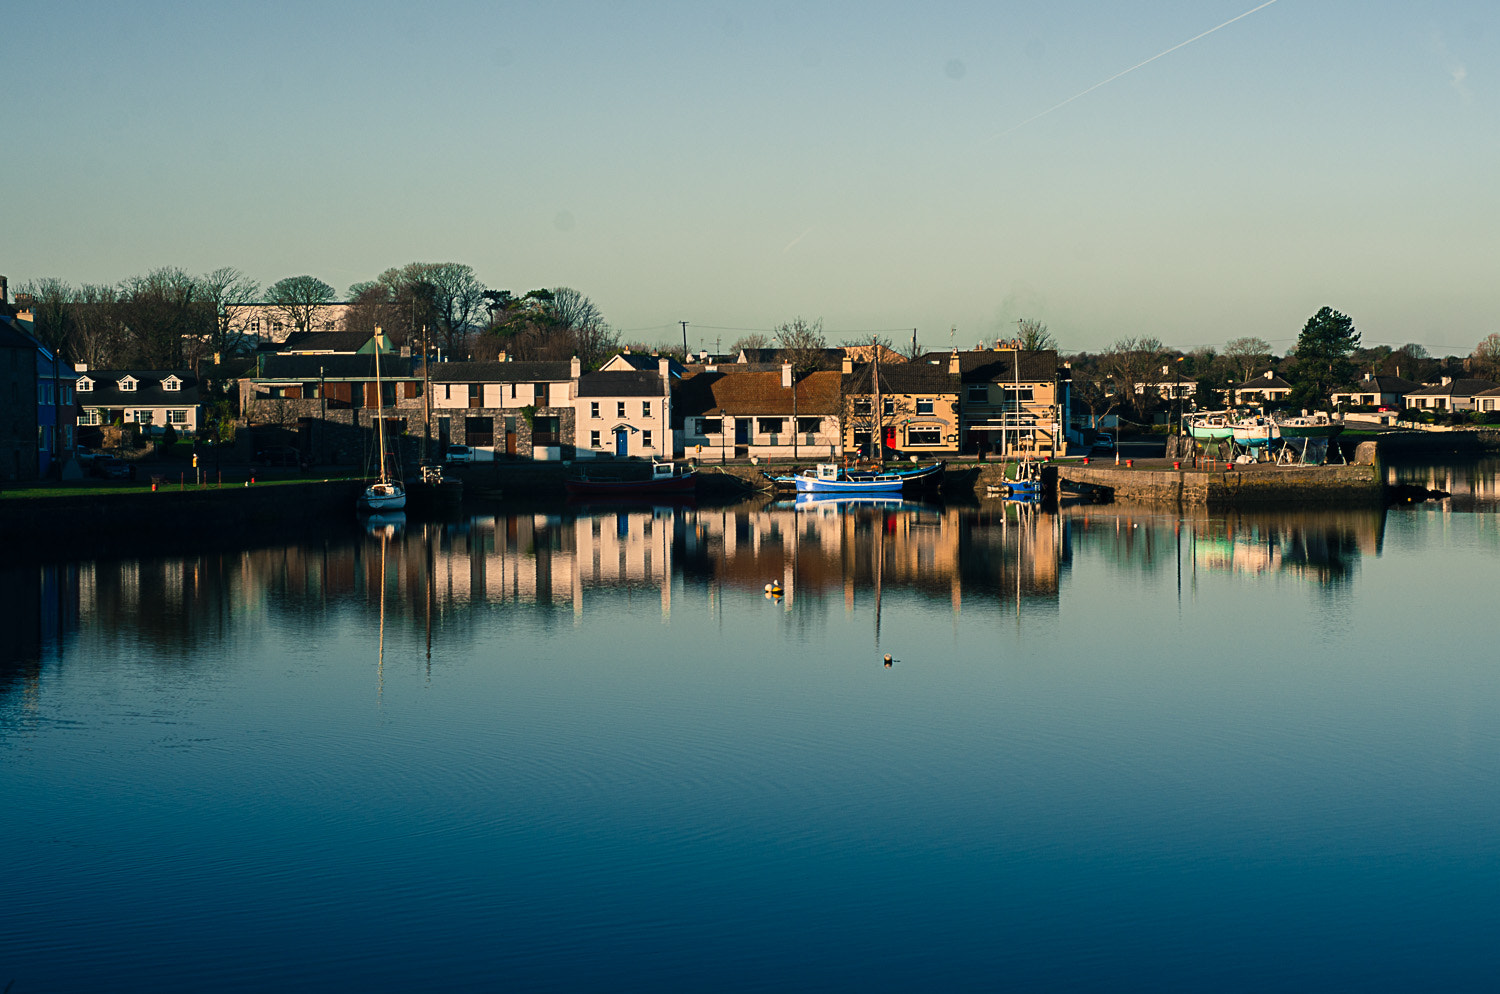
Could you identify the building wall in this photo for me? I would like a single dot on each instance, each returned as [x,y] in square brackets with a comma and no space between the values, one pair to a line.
[598,419]
[823,443]
[18,414]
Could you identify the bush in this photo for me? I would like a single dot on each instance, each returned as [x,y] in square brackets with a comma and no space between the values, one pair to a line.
[169,437]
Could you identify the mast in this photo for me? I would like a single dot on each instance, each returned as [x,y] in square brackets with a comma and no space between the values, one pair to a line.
[877,411]
[379,406]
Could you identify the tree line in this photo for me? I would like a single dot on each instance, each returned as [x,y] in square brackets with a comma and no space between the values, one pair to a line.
[169,318]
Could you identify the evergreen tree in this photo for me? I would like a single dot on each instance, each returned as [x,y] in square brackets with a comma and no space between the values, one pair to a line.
[1322,362]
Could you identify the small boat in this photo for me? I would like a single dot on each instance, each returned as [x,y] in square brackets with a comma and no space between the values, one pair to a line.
[909,479]
[1256,432]
[386,493]
[829,478]
[666,479]
[1211,426]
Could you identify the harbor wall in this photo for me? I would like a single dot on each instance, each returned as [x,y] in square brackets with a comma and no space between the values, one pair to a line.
[1232,486]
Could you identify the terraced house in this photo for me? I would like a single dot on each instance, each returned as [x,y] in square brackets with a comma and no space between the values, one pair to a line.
[1012,402]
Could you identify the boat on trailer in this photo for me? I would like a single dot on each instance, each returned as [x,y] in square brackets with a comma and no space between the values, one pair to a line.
[1211,426]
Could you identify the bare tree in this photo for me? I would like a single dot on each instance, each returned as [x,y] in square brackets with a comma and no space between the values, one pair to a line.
[1486,356]
[227,289]
[162,310]
[804,343]
[51,302]
[99,333]
[298,299]
[1132,361]
[753,340]
[578,317]
[1247,354]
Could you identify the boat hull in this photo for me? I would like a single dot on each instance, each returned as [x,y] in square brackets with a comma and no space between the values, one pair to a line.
[674,486]
[382,497]
[1310,431]
[874,485]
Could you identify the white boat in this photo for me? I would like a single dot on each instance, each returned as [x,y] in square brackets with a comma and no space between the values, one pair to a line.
[1256,432]
[385,493]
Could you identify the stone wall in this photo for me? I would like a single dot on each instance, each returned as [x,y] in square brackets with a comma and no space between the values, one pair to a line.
[1257,485]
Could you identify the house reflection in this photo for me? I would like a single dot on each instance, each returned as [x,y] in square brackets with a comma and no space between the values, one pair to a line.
[1473,485]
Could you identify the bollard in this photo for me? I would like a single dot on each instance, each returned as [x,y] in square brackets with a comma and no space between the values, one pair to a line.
[1176,463]
[1085,460]
[1129,463]
[153,486]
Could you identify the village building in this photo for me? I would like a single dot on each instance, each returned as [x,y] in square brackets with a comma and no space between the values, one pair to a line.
[1450,394]
[760,414]
[1011,401]
[1268,388]
[504,408]
[917,413]
[625,413]
[151,399]
[1374,391]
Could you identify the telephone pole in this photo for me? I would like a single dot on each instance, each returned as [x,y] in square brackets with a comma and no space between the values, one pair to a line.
[684,340]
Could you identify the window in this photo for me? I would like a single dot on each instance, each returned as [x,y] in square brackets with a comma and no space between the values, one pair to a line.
[888,405]
[546,430]
[513,391]
[979,395]
[620,409]
[645,408]
[127,385]
[85,385]
[770,426]
[171,384]
[67,392]
[142,417]
[645,440]
[862,406]
[924,436]
[594,412]
[90,416]
[924,406]
[594,436]
[1019,395]
[710,426]
[479,431]
[808,426]
[177,417]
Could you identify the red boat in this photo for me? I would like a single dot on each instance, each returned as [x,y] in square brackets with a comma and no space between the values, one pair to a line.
[665,481]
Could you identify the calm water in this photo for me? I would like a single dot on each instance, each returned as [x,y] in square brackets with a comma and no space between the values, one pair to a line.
[1116,749]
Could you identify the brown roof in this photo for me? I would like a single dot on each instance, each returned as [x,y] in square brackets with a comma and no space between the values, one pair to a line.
[998,366]
[755,394]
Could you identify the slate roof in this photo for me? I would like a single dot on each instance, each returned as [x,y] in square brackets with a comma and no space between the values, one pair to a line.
[990,366]
[1266,381]
[1380,384]
[907,377]
[325,341]
[1456,388]
[147,393]
[13,334]
[307,368]
[620,384]
[756,393]
[501,372]
[649,363]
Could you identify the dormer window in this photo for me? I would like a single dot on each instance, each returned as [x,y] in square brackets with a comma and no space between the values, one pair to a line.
[171,383]
[127,384]
[85,385]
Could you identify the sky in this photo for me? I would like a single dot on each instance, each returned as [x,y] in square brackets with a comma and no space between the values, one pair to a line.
[880,167]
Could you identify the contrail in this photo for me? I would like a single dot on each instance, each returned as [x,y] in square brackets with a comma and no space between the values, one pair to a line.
[1124,72]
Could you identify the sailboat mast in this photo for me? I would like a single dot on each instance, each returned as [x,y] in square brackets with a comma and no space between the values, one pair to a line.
[878,412]
[379,406]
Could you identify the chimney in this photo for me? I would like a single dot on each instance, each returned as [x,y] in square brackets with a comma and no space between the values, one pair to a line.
[848,365]
[4,290]
[953,365]
[575,368]
[502,358]
[1447,380]
[786,376]
[1368,377]
[703,355]
[664,366]
[79,366]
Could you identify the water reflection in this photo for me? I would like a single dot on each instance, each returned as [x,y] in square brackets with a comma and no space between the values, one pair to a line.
[1473,485]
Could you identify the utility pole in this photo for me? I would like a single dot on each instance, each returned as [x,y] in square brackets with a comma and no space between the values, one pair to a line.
[684,340]
[426,398]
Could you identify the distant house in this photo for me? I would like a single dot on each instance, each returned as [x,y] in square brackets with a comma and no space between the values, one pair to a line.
[1011,400]
[919,405]
[266,323]
[726,415]
[1171,386]
[1450,394]
[325,343]
[1375,391]
[149,398]
[641,362]
[1487,401]
[1267,388]
[504,408]
[625,414]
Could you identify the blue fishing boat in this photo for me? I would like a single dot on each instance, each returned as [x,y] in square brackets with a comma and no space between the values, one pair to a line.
[909,479]
[829,478]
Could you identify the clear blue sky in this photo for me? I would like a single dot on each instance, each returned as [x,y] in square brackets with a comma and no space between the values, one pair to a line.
[736,165]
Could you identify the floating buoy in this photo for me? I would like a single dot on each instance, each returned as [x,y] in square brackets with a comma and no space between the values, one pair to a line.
[888,660]
[774,589]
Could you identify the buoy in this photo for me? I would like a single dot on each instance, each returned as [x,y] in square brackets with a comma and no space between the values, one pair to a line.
[888,660]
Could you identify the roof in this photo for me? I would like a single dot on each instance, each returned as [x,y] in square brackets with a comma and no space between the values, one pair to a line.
[500,372]
[148,392]
[830,358]
[998,366]
[307,368]
[755,393]
[906,377]
[1454,388]
[646,363]
[13,335]
[324,341]
[620,384]
[1266,381]
[1380,384]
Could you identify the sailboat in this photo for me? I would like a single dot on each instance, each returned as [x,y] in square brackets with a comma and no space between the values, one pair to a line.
[386,493]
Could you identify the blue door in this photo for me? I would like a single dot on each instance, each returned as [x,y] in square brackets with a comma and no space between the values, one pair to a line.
[622,442]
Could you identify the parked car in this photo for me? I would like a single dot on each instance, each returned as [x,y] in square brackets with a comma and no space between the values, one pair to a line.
[84,454]
[460,453]
[110,468]
[1104,442]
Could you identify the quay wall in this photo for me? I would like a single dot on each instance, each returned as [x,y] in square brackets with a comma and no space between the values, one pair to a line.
[1256,485]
